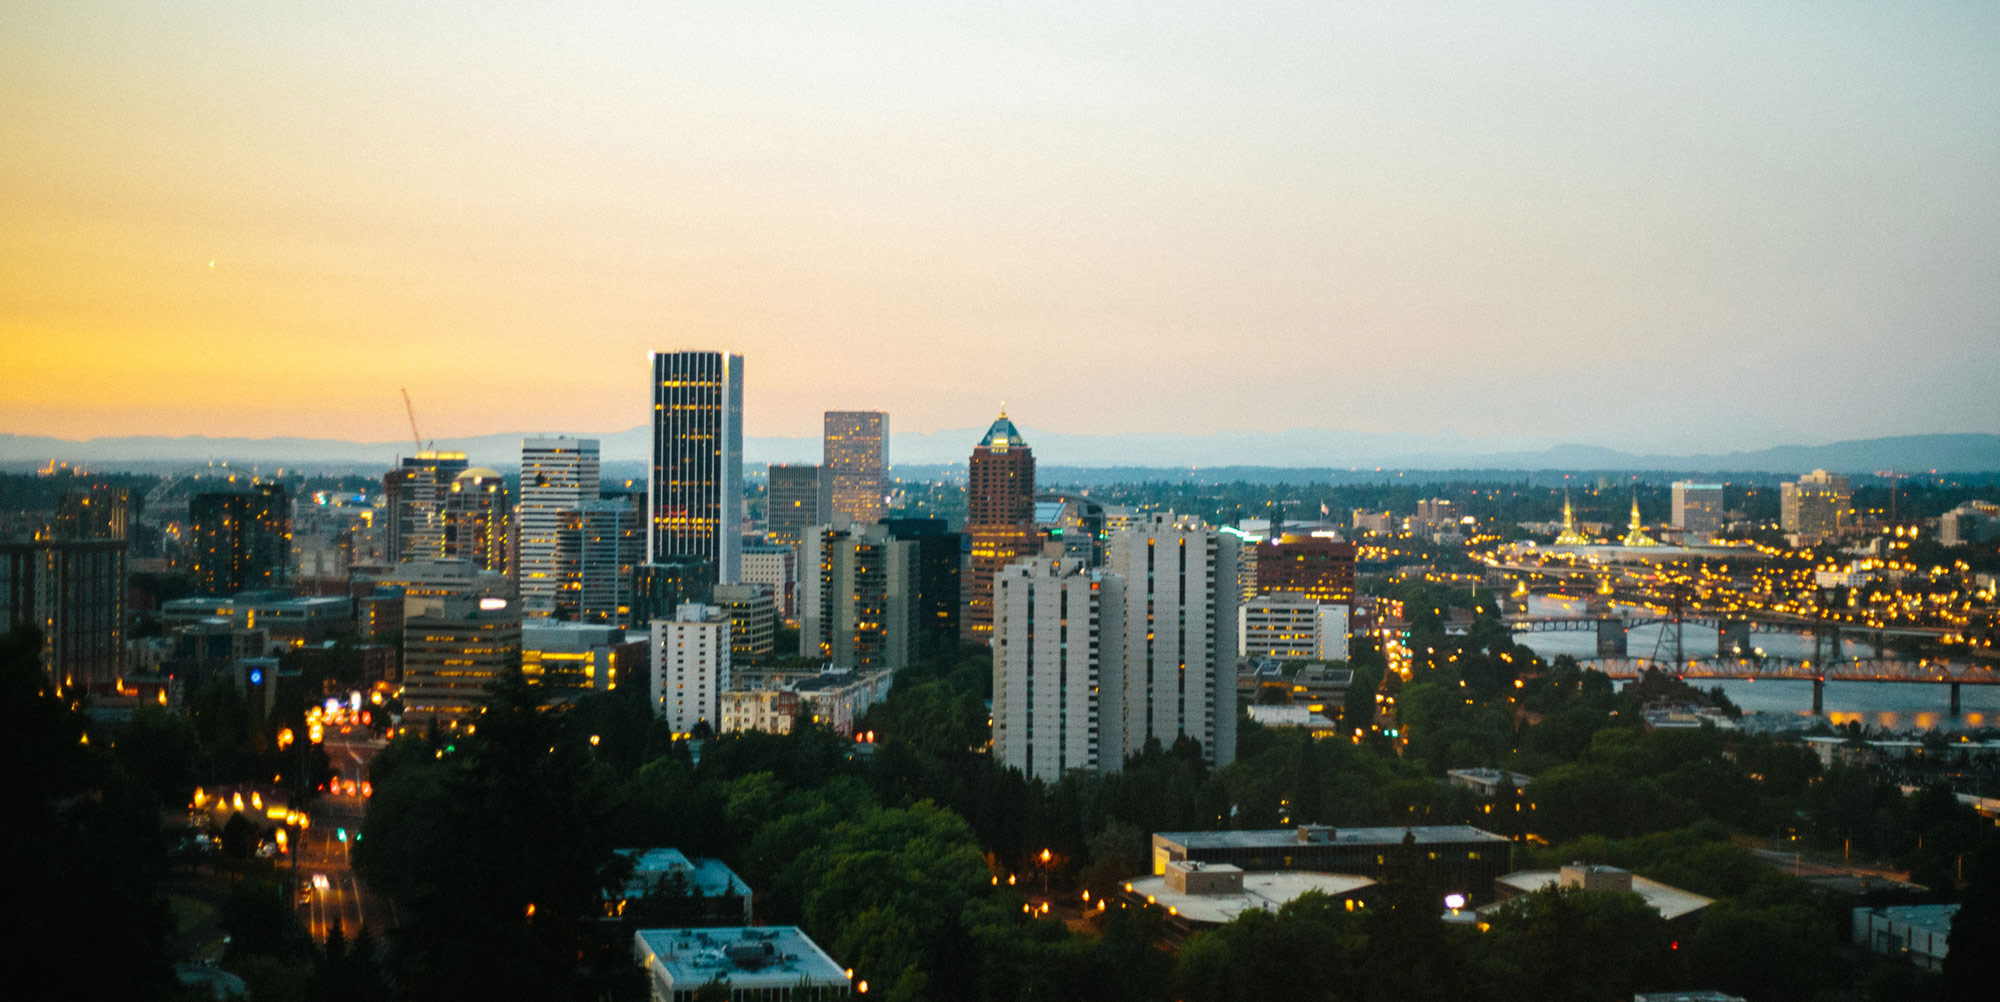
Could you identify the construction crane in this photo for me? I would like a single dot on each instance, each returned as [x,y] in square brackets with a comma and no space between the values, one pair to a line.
[416,437]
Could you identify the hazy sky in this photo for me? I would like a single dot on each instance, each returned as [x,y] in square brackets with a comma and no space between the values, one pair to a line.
[1675,226]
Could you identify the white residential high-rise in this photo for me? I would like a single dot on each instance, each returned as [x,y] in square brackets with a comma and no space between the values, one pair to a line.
[1057,658]
[557,476]
[1180,624]
[694,495]
[1698,508]
[691,667]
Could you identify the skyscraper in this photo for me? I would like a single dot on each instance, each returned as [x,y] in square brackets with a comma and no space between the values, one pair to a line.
[1000,518]
[416,493]
[476,516]
[794,503]
[695,491]
[857,462]
[1180,626]
[240,540]
[557,476]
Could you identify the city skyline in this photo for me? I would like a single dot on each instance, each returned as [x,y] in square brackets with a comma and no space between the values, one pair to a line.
[1399,224]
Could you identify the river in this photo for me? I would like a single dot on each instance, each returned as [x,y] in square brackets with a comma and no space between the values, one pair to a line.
[1899,706]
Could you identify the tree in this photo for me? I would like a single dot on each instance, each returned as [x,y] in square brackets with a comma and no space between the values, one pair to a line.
[1562,943]
[83,851]
[1975,931]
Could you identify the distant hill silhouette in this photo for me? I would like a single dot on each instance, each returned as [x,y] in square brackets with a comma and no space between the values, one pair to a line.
[1295,448]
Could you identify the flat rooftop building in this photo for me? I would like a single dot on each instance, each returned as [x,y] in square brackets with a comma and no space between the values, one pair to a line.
[1461,858]
[661,871]
[1203,895]
[778,963]
[1671,902]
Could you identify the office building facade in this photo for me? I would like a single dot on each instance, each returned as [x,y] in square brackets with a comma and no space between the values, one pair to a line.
[603,543]
[695,490]
[1817,504]
[1698,508]
[1291,627]
[795,501]
[856,463]
[558,475]
[752,620]
[454,648]
[1317,567]
[940,564]
[775,567]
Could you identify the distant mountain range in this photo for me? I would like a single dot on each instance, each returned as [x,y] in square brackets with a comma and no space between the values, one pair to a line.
[1295,449]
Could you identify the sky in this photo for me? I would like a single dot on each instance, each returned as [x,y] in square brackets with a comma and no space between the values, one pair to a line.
[1671,227]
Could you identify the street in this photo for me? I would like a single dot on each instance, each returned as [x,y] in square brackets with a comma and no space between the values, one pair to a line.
[322,857]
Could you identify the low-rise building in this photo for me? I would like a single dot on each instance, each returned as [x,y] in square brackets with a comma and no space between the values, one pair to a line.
[778,963]
[666,887]
[1462,859]
[1489,783]
[1198,895]
[1672,903]
[280,614]
[1317,725]
[771,701]
[1918,933]
[580,655]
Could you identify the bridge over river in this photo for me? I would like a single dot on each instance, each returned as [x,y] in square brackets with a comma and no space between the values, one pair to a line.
[1802,670]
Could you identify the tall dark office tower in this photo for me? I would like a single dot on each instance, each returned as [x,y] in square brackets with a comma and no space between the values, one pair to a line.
[940,551]
[999,516]
[794,504]
[695,493]
[240,540]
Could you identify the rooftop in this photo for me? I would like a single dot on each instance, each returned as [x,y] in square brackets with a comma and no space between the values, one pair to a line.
[712,876]
[779,956]
[1935,919]
[1261,892]
[1670,902]
[1003,436]
[1275,837]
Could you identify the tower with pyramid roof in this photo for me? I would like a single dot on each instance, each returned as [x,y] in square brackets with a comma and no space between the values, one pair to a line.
[999,518]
